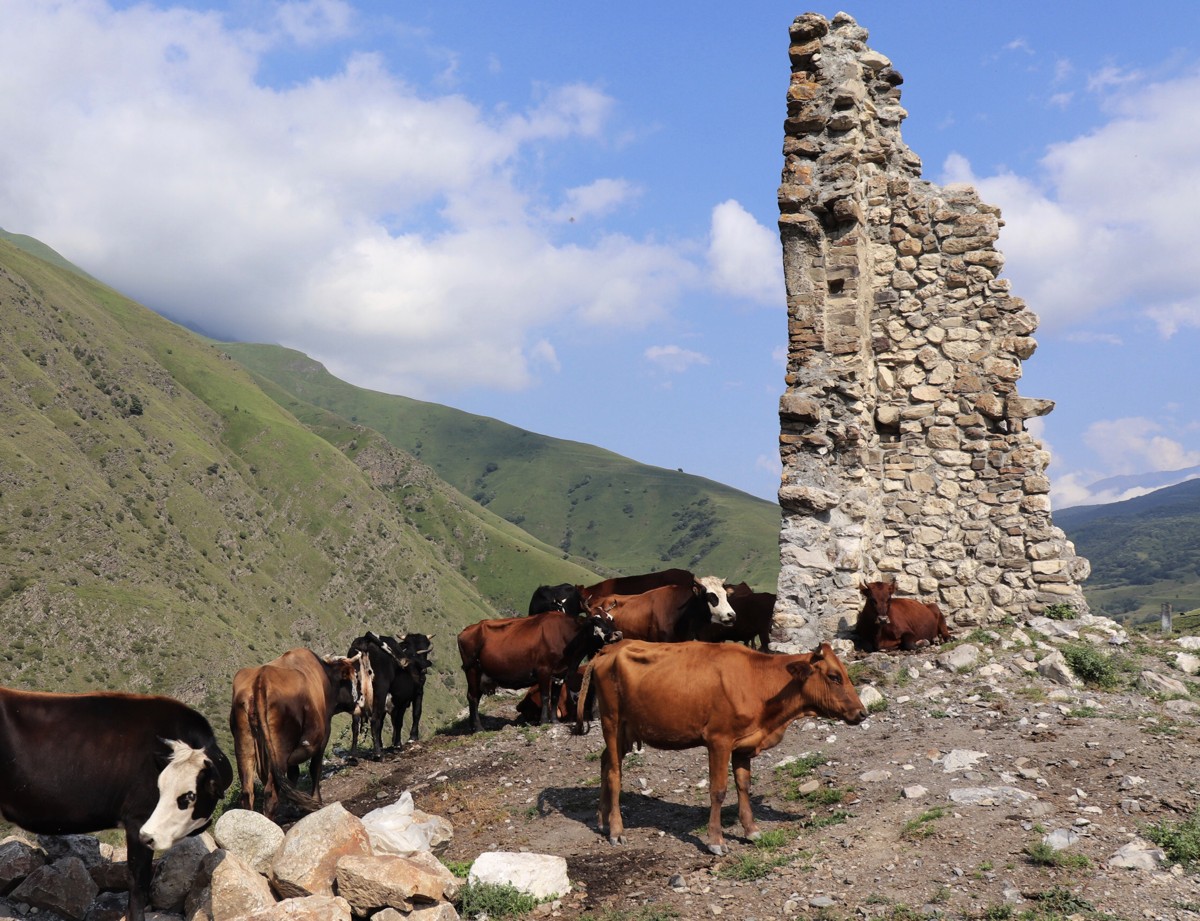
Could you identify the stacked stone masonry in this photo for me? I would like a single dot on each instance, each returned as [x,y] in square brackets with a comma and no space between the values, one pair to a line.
[903,439]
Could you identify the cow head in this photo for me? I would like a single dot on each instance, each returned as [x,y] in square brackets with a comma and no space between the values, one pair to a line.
[826,686]
[879,595]
[712,590]
[353,681]
[191,781]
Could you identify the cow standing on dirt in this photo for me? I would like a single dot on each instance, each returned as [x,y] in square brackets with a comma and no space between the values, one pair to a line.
[734,701]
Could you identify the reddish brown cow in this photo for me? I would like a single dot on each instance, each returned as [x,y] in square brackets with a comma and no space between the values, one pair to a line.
[669,614]
[886,622]
[734,701]
[516,652]
[755,616]
[280,718]
[635,585]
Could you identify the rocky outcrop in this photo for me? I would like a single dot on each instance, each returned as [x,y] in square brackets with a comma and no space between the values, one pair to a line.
[904,443]
[323,868]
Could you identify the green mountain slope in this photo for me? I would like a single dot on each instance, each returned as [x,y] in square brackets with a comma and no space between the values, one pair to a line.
[1144,552]
[588,502]
[164,522]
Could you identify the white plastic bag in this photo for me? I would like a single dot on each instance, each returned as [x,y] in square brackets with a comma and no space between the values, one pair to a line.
[401,829]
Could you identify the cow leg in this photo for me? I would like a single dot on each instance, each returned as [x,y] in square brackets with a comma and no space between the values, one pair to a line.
[610,784]
[397,721]
[245,753]
[414,731]
[140,865]
[354,721]
[314,772]
[549,712]
[741,777]
[718,783]
[377,715]
[473,692]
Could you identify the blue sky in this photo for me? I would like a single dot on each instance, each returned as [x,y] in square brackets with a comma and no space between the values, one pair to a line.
[563,216]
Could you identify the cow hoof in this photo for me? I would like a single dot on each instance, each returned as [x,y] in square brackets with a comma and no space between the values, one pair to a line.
[754,835]
[617,839]
[718,850]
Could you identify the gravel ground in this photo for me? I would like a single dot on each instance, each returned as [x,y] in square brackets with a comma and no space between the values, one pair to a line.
[939,805]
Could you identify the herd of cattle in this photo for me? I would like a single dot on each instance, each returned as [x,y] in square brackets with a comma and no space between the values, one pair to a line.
[74,763]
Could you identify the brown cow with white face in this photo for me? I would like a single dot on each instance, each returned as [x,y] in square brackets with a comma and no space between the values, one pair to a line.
[734,701]
[887,622]
[76,763]
[281,716]
[670,613]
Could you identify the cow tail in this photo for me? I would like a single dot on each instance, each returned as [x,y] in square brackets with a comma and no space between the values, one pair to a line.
[583,706]
[270,764]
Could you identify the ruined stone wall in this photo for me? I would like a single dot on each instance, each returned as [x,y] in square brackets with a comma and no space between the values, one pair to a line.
[905,454]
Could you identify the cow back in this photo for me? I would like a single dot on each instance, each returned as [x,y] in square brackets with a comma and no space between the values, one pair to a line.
[656,615]
[636,585]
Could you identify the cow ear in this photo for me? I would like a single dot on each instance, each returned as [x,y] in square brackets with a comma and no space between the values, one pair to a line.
[801,670]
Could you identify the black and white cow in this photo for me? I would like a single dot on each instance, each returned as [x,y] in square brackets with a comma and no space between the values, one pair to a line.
[77,763]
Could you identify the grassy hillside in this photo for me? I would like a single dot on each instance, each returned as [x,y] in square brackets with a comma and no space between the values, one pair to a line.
[586,501]
[164,522]
[1144,552]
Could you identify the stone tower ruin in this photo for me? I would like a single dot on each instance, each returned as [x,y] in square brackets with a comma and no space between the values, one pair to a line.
[903,440]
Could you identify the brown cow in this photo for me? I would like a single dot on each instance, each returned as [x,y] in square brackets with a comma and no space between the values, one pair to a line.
[280,718]
[734,701]
[635,585]
[755,616]
[516,652]
[669,614]
[886,622]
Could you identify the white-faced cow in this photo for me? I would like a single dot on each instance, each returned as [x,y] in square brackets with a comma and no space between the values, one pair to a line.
[734,701]
[76,763]
[281,716]
[669,613]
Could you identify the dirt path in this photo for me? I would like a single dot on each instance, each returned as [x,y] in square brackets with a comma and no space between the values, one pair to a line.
[1095,766]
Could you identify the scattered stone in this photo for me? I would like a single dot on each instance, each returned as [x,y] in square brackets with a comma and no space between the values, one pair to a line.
[991,796]
[543,876]
[1138,855]
[307,862]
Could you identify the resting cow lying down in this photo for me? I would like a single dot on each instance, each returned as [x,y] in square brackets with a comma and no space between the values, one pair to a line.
[734,701]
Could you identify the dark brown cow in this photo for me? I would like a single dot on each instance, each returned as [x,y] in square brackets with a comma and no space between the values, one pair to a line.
[635,585]
[755,616]
[734,701]
[280,718]
[886,622]
[76,763]
[516,652]
[670,613]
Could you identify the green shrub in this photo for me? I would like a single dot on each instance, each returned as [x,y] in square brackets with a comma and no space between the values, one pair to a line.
[1091,666]
[1180,840]
[1060,611]
[495,901]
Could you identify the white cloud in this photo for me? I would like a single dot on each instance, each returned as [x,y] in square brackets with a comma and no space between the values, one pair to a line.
[594,200]
[1106,229]
[384,229]
[1136,444]
[744,257]
[674,359]
[309,22]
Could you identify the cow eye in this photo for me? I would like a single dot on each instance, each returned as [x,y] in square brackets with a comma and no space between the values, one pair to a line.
[712,599]
[835,678]
[186,800]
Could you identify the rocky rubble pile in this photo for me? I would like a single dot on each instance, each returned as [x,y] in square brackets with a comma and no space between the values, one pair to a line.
[329,866]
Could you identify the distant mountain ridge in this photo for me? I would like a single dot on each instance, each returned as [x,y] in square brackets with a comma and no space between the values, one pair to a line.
[587,501]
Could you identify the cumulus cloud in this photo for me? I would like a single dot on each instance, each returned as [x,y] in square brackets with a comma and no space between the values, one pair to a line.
[594,200]
[673,358]
[744,256]
[384,228]
[1105,228]
[1135,444]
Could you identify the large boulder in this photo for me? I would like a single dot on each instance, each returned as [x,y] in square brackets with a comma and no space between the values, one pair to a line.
[306,864]
[250,835]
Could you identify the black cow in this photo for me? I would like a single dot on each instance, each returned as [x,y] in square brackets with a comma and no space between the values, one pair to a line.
[78,763]
[565,597]
[400,667]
